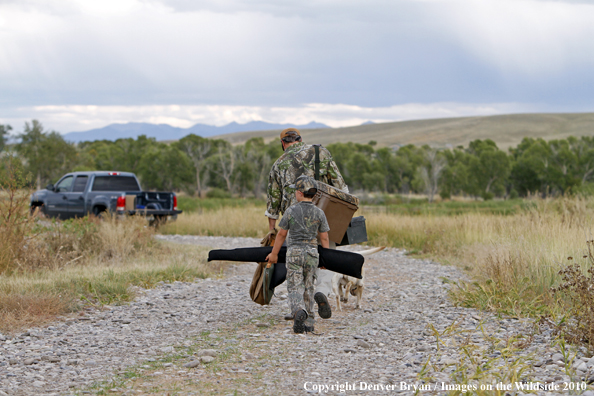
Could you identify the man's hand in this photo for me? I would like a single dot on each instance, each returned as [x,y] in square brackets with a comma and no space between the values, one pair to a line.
[272,258]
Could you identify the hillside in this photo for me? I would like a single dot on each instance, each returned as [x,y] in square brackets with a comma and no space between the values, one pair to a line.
[505,130]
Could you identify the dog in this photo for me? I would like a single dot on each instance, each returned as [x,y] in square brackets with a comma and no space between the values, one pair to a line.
[342,285]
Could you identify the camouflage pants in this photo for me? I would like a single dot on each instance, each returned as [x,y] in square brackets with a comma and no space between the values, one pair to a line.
[302,263]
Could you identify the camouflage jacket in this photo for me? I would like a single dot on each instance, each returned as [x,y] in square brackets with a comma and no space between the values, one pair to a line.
[297,160]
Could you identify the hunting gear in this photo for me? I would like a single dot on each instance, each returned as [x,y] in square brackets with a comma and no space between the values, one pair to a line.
[303,223]
[298,159]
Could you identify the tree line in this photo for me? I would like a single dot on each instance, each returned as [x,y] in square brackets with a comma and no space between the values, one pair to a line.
[202,166]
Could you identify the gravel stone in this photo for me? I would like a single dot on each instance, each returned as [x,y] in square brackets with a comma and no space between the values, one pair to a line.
[363,344]
[192,364]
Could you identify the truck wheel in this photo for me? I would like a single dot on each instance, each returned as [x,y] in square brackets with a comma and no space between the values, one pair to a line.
[37,209]
[99,212]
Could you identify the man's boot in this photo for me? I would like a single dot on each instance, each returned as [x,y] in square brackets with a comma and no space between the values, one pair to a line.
[289,316]
[324,309]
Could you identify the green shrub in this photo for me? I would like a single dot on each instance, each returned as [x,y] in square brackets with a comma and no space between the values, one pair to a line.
[217,193]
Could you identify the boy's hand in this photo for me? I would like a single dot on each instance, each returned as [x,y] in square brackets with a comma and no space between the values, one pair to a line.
[272,258]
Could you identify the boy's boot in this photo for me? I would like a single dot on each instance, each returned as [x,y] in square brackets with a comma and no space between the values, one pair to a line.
[299,321]
[324,309]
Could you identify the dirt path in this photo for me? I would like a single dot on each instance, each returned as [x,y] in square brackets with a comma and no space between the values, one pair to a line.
[208,337]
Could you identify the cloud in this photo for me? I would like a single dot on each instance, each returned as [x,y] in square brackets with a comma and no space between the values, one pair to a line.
[535,38]
[79,118]
[373,53]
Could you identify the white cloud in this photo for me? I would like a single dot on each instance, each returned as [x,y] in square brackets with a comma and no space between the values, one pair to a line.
[79,118]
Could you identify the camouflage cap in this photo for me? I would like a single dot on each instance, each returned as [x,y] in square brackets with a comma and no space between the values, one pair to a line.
[290,132]
[304,184]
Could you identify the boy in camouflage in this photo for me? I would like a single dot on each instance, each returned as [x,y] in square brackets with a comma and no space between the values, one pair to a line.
[303,222]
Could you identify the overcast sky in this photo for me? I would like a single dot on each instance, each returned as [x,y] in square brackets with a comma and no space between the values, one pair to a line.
[81,64]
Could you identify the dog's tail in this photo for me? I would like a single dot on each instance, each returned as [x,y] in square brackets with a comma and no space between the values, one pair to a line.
[371,251]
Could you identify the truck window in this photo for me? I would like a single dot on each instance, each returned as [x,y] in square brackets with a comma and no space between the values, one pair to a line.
[115,183]
[80,183]
[64,185]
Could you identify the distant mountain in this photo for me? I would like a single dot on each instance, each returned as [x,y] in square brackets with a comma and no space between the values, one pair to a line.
[168,132]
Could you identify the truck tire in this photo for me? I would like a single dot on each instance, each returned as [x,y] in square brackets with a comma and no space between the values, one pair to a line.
[99,212]
[37,208]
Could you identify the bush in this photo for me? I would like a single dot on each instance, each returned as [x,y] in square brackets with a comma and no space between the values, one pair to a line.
[217,193]
[578,289]
[487,196]
[17,240]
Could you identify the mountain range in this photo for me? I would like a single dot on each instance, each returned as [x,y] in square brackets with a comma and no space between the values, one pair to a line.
[168,132]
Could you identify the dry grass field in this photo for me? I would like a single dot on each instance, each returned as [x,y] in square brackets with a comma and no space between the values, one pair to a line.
[505,130]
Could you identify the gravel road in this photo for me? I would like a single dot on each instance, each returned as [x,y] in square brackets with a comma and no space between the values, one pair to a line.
[208,337]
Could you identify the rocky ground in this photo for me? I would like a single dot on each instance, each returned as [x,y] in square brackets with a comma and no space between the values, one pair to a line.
[208,337]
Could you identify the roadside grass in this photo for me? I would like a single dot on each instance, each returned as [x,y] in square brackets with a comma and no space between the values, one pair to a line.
[31,298]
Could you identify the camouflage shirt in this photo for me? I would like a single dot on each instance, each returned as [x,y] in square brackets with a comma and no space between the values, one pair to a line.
[297,160]
[303,221]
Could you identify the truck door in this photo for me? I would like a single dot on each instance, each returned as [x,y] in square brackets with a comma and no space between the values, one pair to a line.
[57,200]
[76,199]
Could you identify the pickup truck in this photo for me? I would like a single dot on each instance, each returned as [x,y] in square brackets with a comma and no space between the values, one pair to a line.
[79,194]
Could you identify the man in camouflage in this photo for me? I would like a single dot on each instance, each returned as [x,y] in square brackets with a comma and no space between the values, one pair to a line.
[299,159]
[304,223]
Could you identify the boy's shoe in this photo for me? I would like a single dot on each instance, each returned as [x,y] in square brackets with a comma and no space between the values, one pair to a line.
[299,321]
[289,317]
[324,309]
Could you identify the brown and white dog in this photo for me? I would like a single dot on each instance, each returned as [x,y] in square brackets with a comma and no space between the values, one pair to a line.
[342,285]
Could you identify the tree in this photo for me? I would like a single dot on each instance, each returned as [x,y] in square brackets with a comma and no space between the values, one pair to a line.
[260,162]
[4,132]
[490,168]
[198,149]
[224,164]
[455,176]
[430,172]
[47,155]
[164,167]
